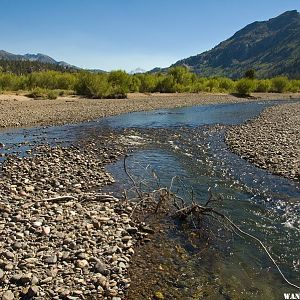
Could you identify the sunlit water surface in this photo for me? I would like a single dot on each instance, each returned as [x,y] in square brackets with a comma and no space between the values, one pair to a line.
[185,142]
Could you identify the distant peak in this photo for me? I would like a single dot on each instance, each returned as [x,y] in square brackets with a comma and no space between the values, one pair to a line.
[289,14]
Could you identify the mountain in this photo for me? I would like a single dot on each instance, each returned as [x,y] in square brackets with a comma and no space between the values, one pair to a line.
[270,47]
[39,57]
[137,71]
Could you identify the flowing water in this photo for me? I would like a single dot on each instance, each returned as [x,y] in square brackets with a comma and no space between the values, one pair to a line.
[189,143]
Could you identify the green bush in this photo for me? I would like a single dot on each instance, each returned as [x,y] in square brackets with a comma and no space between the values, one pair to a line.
[226,85]
[263,86]
[92,85]
[135,84]
[294,86]
[166,84]
[148,82]
[119,82]
[245,86]
[181,75]
[39,93]
[280,84]
[212,85]
[52,94]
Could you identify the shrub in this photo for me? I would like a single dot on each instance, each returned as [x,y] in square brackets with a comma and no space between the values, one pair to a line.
[280,84]
[52,94]
[263,86]
[166,84]
[226,85]
[148,82]
[294,86]
[120,82]
[197,87]
[245,86]
[181,75]
[135,84]
[39,93]
[92,85]
[212,85]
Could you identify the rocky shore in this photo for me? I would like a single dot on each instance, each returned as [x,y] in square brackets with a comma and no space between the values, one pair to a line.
[17,110]
[271,141]
[61,236]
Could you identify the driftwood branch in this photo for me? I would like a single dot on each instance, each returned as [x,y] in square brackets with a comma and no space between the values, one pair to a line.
[58,199]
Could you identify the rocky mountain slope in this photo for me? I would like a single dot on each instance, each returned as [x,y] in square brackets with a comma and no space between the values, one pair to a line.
[270,47]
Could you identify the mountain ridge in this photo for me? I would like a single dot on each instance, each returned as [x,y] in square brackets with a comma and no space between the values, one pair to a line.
[39,57]
[269,47]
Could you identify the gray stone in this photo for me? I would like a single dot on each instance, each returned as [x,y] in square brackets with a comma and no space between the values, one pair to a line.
[50,259]
[101,268]
[8,295]
[17,245]
[34,280]
[122,265]
[82,263]
[9,267]
[16,277]
[9,255]
[26,278]
[1,274]
[32,291]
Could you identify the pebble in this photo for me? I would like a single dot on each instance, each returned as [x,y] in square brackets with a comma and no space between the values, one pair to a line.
[9,267]
[50,259]
[1,274]
[46,230]
[8,295]
[82,263]
[32,291]
[101,268]
[9,255]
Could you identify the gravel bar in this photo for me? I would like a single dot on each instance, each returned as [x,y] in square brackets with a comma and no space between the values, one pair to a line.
[16,110]
[61,236]
[271,141]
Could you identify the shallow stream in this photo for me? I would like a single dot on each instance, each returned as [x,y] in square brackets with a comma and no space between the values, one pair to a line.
[189,143]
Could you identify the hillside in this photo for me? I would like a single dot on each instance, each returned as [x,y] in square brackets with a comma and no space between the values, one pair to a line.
[39,57]
[270,47]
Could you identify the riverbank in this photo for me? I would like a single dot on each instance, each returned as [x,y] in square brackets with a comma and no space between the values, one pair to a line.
[61,236]
[49,266]
[271,141]
[18,110]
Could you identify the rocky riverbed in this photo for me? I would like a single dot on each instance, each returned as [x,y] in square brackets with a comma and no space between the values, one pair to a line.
[17,110]
[271,141]
[61,236]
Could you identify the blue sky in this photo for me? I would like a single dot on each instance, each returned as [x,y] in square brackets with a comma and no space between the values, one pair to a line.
[126,34]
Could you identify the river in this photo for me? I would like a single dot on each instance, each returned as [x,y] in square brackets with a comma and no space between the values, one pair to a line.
[189,143]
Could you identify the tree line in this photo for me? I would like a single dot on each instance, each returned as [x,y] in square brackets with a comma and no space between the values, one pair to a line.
[20,67]
[117,84]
